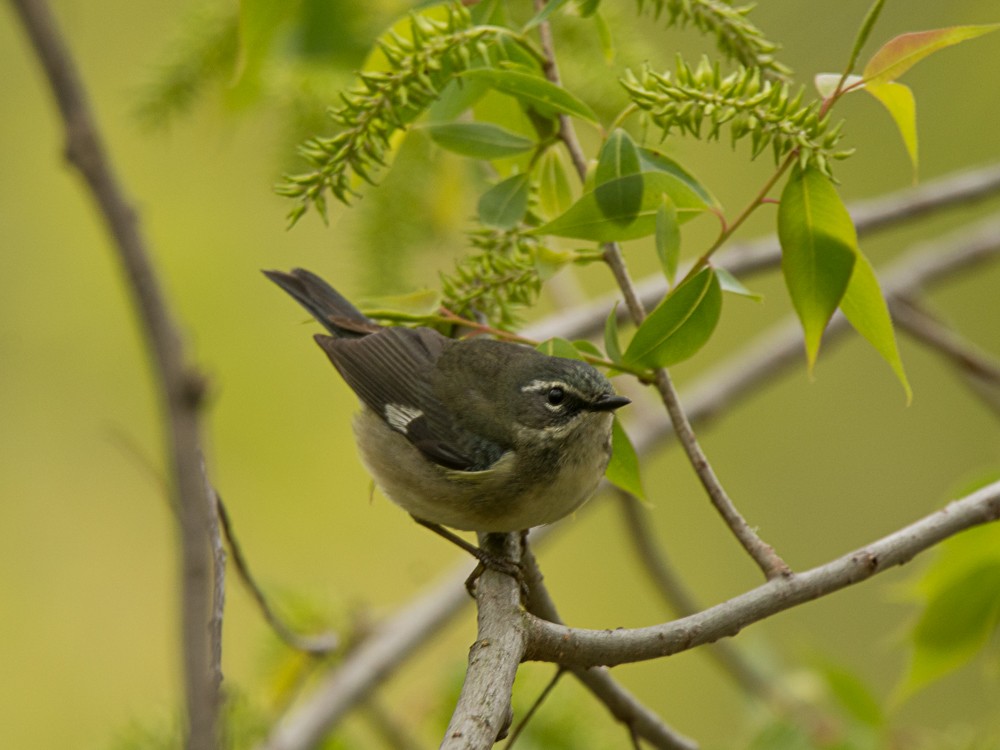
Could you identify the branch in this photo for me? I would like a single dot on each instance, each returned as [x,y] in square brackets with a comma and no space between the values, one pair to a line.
[483,714]
[714,392]
[624,706]
[180,387]
[578,647]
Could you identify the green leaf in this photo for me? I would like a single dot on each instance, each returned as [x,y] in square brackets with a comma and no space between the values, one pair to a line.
[547,98]
[731,284]
[668,239]
[623,469]
[585,219]
[588,348]
[680,325]
[898,99]
[619,157]
[654,161]
[559,347]
[606,38]
[957,622]
[864,307]
[554,192]
[853,695]
[480,140]
[818,249]
[417,304]
[550,7]
[618,160]
[504,204]
[901,53]
[611,345]
[864,32]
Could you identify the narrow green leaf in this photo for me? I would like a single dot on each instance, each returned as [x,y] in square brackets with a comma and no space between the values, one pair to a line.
[550,7]
[731,284]
[680,325]
[818,248]
[623,469]
[587,8]
[606,38]
[668,239]
[864,307]
[544,96]
[586,220]
[898,99]
[419,303]
[480,140]
[611,345]
[864,32]
[559,347]
[654,161]
[504,204]
[554,192]
[901,53]
[618,160]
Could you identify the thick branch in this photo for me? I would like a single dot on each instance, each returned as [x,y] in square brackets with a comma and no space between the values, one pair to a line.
[585,648]
[483,714]
[180,387]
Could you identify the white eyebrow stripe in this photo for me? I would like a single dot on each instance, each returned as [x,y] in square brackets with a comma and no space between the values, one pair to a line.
[400,416]
[537,386]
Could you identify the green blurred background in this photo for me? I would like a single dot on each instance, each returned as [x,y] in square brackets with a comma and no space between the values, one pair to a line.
[87,545]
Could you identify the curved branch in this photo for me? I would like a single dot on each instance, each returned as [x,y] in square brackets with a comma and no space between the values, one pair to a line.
[585,648]
[181,387]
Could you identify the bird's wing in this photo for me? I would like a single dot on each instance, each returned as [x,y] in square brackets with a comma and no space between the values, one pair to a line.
[391,372]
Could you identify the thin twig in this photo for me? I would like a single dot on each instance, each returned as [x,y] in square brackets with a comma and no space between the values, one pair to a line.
[530,713]
[624,706]
[580,647]
[318,645]
[180,387]
[762,553]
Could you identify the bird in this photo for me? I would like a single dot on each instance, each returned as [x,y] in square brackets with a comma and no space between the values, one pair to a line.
[474,434]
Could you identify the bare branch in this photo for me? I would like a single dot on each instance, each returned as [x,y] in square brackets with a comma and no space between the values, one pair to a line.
[578,647]
[483,714]
[181,387]
[624,706]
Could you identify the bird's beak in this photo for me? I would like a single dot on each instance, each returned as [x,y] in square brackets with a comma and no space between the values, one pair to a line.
[609,402]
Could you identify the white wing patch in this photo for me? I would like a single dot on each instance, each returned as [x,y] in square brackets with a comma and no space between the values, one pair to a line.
[399,416]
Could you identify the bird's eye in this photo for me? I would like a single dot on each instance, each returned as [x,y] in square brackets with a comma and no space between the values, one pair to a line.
[556,396]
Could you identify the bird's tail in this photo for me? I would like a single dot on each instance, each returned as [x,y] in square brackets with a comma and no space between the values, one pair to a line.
[326,304]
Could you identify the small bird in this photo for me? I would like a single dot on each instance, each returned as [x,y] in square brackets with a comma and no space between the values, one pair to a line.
[475,434]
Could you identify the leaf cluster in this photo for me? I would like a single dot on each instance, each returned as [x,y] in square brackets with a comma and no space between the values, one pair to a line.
[752,106]
[495,281]
[736,35]
[386,102]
